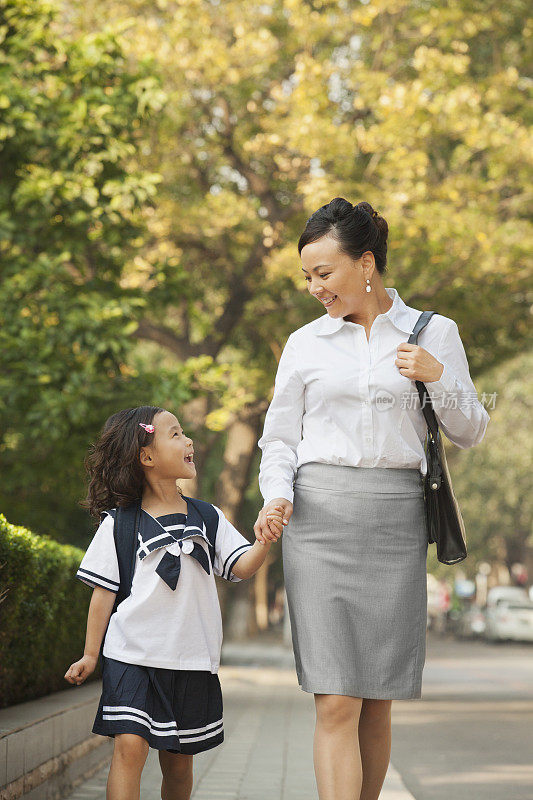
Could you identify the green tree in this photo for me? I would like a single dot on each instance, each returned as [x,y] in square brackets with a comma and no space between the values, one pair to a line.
[71,202]
[272,110]
[493,480]
[275,108]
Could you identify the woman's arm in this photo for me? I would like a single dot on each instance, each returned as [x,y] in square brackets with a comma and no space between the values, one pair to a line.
[282,431]
[100,609]
[461,415]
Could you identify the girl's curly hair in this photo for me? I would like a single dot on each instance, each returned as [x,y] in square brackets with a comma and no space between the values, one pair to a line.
[115,474]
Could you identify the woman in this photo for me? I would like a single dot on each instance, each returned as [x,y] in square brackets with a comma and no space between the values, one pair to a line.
[345,424]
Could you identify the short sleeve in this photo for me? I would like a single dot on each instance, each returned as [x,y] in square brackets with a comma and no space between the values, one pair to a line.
[229,547]
[99,565]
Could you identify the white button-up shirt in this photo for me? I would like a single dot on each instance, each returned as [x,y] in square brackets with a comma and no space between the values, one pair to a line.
[339,398]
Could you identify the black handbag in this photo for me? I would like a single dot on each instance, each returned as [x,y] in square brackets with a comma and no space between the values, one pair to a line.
[445,526]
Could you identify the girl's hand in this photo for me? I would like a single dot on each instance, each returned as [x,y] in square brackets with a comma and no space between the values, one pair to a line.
[271,519]
[274,522]
[80,670]
[417,364]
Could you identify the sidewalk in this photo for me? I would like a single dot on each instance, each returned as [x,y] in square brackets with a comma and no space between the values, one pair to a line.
[267,753]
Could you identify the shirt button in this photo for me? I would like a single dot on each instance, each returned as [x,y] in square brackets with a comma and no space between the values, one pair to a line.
[187,547]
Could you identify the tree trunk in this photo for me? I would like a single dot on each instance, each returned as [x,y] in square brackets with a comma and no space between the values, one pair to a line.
[242,437]
[261,594]
[238,458]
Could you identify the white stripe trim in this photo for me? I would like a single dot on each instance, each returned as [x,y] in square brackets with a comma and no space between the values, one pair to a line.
[113,717]
[91,580]
[121,712]
[155,539]
[231,561]
[205,736]
[199,730]
[144,549]
[130,709]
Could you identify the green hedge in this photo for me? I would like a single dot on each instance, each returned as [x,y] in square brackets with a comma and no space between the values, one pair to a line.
[43,613]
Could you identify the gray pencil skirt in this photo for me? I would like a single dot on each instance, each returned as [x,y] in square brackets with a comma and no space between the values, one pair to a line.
[354,560]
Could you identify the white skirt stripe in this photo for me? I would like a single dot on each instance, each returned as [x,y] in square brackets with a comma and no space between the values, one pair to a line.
[205,735]
[131,710]
[114,717]
[199,730]
[158,728]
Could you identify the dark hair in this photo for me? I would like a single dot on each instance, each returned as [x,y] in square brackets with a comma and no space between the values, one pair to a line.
[357,228]
[116,476]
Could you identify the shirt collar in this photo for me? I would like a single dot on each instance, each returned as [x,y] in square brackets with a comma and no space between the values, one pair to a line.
[400,315]
[152,534]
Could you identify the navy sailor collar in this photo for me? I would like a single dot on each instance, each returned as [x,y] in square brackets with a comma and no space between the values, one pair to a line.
[152,534]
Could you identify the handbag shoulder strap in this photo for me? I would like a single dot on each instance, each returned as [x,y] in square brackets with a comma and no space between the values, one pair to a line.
[426,404]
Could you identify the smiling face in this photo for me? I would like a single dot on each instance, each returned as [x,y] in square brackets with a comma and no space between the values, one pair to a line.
[334,278]
[170,454]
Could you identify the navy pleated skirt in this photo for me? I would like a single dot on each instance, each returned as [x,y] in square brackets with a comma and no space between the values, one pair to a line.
[178,710]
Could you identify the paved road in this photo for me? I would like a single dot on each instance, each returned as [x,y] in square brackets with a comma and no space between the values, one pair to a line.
[470,737]
[267,753]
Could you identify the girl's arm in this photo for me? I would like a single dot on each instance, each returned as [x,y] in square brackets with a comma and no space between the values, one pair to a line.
[100,609]
[250,561]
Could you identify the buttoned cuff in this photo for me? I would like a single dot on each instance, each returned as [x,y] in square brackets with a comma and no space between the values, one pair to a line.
[446,383]
[277,491]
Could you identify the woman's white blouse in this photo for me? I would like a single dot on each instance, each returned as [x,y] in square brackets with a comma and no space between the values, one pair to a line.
[339,398]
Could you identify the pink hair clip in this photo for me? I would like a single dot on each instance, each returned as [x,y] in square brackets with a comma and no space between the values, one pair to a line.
[147,428]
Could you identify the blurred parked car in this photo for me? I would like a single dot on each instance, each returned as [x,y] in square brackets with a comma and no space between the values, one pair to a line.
[511,593]
[510,619]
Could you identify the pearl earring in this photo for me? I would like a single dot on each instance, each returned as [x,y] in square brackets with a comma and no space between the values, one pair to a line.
[368,287]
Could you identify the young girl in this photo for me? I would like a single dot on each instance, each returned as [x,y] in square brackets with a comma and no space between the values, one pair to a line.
[162,644]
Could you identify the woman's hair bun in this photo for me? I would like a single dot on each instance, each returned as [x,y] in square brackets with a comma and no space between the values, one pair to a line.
[356,227]
[368,208]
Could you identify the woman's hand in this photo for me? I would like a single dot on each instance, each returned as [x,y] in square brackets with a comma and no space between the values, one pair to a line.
[80,670]
[271,519]
[417,364]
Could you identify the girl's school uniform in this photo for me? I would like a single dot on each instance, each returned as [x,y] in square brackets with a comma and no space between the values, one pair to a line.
[161,651]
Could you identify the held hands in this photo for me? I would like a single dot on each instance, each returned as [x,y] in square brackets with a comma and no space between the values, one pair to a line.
[271,519]
[417,364]
[80,670]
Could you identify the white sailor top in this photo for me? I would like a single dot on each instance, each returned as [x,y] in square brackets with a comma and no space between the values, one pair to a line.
[172,617]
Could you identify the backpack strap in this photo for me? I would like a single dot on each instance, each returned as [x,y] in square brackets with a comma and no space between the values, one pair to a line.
[125,529]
